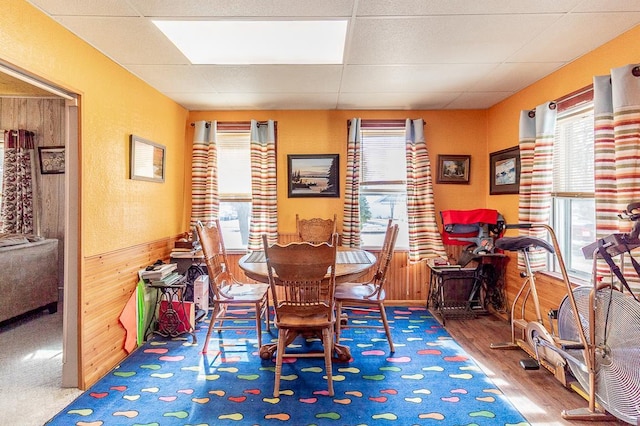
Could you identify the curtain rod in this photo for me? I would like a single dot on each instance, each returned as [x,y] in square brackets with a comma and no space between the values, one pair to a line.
[208,123]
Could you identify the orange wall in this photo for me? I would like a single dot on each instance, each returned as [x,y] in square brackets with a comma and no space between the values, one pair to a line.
[325,132]
[502,125]
[116,212]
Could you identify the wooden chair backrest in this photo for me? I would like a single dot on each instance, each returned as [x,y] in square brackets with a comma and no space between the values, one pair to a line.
[214,254]
[316,230]
[305,275]
[385,257]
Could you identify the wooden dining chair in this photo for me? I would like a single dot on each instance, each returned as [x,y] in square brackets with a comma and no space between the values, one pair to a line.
[316,230]
[227,291]
[370,295]
[302,281]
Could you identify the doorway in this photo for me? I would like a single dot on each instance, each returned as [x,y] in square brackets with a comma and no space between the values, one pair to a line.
[17,83]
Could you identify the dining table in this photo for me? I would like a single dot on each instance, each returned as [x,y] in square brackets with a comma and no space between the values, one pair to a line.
[351,264]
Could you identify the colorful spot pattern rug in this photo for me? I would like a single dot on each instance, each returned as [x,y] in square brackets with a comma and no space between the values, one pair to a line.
[429,380]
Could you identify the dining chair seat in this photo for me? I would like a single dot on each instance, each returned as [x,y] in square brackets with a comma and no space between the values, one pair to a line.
[226,291]
[369,296]
[302,282]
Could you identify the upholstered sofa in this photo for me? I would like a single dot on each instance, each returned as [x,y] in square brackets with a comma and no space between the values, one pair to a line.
[28,276]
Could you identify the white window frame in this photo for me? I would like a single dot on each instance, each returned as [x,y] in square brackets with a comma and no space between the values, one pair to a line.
[573,210]
[374,184]
[230,226]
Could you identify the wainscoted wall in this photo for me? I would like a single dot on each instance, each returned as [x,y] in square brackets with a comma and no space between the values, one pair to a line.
[44,117]
[111,279]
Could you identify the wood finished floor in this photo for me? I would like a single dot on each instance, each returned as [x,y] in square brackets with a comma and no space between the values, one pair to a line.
[536,393]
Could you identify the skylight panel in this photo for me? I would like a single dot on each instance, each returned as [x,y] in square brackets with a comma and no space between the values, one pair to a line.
[258,42]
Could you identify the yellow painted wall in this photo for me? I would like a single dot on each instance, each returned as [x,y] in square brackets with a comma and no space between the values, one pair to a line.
[325,132]
[502,125]
[116,212]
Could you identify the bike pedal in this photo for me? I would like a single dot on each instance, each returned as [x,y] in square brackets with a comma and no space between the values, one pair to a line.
[529,364]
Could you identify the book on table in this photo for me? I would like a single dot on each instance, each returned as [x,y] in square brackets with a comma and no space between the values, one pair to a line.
[171,279]
[159,271]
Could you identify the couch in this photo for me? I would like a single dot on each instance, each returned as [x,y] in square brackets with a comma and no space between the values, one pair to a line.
[28,276]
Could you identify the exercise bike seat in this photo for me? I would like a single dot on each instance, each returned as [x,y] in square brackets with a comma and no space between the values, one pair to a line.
[522,243]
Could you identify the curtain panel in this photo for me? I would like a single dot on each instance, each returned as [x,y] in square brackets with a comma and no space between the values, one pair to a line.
[204,182]
[351,208]
[17,182]
[264,196]
[425,240]
[537,135]
[616,101]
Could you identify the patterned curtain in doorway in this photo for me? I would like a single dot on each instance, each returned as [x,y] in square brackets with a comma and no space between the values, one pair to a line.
[17,182]
[616,102]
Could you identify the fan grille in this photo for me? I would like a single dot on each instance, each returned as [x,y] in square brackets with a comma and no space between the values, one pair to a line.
[617,338]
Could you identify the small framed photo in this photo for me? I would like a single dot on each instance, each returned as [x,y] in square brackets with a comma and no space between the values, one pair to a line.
[313,175]
[147,160]
[504,171]
[454,168]
[51,159]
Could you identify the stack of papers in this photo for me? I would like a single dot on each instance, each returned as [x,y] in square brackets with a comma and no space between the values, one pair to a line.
[159,271]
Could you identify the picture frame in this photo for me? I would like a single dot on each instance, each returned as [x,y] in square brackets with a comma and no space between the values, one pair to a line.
[147,160]
[51,159]
[313,175]
[504,171]
[454,169]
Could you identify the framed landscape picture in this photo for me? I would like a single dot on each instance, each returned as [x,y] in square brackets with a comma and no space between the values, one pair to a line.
[313,175]
[454,168]
[504,171]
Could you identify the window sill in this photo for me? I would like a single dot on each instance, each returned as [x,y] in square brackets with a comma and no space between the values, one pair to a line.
[574,281]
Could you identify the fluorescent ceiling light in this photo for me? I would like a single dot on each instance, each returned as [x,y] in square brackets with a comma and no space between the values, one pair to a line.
[258,42]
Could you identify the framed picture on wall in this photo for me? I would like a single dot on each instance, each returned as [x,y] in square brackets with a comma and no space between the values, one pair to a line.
[454,168]
[313,175]
[504,171]
[147,160]
[51,159]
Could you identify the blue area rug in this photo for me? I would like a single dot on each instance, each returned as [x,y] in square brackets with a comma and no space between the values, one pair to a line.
[429,380]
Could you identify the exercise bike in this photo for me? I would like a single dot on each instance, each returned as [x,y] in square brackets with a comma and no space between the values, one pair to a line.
[598,326]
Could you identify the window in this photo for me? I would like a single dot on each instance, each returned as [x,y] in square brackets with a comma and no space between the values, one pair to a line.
[383,177]
[234,183]
[573,198]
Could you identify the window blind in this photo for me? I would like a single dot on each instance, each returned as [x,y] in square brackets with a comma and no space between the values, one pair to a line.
[573,166]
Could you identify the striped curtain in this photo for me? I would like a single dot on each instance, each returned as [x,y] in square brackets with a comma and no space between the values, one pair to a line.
[616,101]
[264,211]
[424,238]
[351,209]
[537,134]
[204,182]
[17,182]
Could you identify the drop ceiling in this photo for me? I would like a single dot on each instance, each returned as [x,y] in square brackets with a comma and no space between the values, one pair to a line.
[402,54]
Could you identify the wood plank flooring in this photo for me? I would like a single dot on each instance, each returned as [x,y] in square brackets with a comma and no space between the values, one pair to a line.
[536,393]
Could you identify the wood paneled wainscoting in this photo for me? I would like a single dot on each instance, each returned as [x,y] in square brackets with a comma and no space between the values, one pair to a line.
[108,281]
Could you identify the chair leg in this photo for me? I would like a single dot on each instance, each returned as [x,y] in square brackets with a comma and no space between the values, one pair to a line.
[214,314]
[259,323]
[338,324]
[328,351]
[383,315]
[279,355]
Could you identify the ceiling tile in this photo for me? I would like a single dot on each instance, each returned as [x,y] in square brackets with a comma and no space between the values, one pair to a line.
[274,78]
[126,40]
[245,8]
[443,39]
[408,78]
